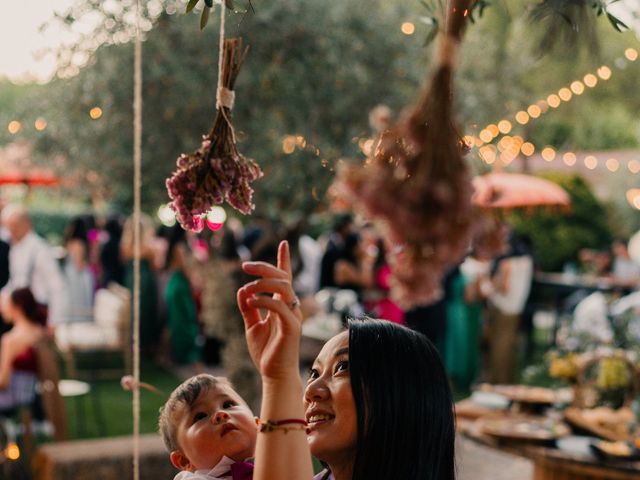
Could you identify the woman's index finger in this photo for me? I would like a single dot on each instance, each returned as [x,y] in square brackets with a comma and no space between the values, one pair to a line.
[284,258]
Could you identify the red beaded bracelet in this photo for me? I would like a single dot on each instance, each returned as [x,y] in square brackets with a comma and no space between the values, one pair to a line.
[271,425]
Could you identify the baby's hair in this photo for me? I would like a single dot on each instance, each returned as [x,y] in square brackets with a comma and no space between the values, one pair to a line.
[186,394]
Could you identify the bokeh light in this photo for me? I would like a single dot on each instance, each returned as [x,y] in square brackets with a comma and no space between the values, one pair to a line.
[565,94]
[522,117]
[548,154]
[590,162]
[288,144]
[534,111]
[40,124]
[14,127]
[504,126]
[553,100]
[612,165]
[528,149]
[408,28]
[634,166]
[631,54]
[590,80]
[577,87]
[12,451]
[604,72]
[216,218]
[95,113]
[569,158]
[166,216]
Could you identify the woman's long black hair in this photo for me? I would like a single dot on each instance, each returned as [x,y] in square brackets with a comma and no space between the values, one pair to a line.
[404,405]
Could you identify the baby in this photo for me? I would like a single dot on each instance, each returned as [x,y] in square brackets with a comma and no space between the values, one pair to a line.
[209,430]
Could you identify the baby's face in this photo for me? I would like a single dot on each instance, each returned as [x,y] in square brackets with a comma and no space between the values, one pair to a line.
[218,424]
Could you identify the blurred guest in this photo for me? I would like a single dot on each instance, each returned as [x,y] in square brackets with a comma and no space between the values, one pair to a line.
[625,272]
[32,264]
[511,279]
[4,277]
[182,317]
[150,325]
[81,282]
[110,258]
[342,228]
[221,317]
[377,301]
[464,309]
[18,366]
[602,263]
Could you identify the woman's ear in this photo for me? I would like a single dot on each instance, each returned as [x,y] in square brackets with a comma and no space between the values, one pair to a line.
[180,461]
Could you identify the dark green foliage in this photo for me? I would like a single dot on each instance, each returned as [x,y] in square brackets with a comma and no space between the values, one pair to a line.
[557,237]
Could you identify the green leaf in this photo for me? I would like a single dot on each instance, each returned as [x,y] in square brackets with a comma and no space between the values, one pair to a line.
[191,5]
[618,24]
[205,17]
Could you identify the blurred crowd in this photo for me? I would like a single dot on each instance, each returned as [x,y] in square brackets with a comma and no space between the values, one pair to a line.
[188,281]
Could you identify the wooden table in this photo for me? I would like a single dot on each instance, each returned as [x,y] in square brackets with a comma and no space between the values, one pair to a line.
[551,463]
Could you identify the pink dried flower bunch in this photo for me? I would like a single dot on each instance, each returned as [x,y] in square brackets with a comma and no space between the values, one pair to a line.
[417,187]
[203,180]
[217,171]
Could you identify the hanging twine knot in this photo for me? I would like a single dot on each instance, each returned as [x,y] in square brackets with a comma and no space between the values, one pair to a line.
[225,98]
[129,384]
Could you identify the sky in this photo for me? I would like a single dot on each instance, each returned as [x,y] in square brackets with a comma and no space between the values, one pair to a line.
[20,40]
[22,45]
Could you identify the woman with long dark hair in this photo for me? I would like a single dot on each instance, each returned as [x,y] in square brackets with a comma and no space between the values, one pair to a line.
[18,366]
[377,403]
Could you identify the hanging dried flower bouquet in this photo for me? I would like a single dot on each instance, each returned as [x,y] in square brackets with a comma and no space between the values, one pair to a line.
[416,185]
[217,171]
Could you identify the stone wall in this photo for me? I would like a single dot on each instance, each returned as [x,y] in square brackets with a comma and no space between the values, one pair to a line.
[102,459]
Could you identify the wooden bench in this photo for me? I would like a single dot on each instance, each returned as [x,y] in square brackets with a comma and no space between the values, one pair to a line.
[104,459]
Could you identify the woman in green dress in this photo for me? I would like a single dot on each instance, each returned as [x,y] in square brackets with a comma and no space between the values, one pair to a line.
[182,318]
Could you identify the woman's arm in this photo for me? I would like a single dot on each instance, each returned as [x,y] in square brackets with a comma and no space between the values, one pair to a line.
[274,344]
[7,355]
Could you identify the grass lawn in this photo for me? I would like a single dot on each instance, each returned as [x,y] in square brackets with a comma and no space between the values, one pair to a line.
[109,400]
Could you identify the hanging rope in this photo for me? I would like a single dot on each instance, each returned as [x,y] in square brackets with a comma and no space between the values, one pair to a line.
[137,166]
[224,96]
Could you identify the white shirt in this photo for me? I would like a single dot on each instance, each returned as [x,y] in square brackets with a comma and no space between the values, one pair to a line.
[513,300]
[31,264]
[216,473]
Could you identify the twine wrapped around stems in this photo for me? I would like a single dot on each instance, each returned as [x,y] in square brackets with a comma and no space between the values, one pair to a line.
[217,171]
[416,185]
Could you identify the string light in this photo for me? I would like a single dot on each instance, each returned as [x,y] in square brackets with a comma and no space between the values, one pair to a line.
[577,87]
[590,162]
[604,72]
[565,94]
[95,113]
[14,127]
[590,80]
[40,124]
[569,159]
[522,117]
[504,126]
[612,165]
[534,111]
[528,149]
[548,154]
[631,54]
[553,100]
[633,197]
[408,28]
[634,166]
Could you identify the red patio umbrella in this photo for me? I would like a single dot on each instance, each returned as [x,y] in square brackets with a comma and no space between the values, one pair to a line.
[31,179]
[514,190]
